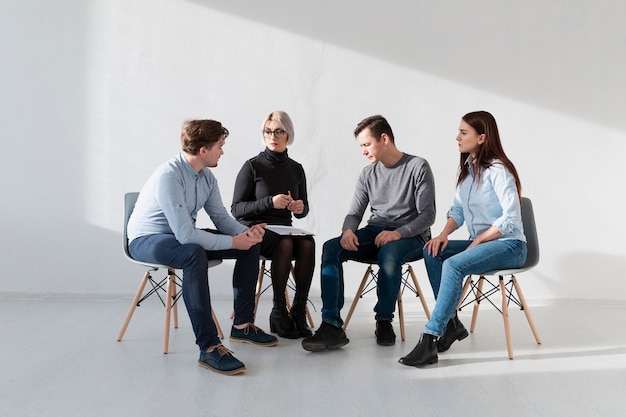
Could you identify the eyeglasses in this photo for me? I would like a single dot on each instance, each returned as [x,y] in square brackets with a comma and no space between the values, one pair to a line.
[278,133]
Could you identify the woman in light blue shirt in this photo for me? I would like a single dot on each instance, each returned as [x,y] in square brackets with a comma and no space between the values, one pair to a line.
[487,200]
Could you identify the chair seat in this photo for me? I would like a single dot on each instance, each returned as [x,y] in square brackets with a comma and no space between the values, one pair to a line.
[496,272]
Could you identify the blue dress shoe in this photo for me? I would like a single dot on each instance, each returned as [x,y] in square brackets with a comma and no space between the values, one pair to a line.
[253,335]
[221,360]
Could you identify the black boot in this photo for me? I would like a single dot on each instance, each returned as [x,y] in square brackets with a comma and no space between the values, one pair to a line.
[280,322]
[298,315]
[454,331]
[425,353]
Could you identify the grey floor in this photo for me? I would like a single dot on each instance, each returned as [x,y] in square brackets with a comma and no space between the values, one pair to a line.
[59,357]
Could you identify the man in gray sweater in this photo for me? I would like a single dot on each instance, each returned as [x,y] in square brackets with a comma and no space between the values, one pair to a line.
[400,190]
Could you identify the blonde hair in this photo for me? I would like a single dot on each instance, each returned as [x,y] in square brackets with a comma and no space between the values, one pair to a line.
[284,121]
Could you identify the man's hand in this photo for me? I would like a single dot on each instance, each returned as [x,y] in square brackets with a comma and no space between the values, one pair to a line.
[250,237]
[386,236]
[258,230]
[349,241]
[244,241]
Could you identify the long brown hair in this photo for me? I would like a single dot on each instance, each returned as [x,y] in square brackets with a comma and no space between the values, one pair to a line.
[489,151]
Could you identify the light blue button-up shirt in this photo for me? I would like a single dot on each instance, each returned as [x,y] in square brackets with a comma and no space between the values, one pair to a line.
[169,203]
[493,201]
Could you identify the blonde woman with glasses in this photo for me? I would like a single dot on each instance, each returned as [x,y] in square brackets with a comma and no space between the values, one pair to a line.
[271,188]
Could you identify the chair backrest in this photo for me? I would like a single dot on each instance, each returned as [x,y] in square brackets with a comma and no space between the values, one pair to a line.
[129,204]
[530,230]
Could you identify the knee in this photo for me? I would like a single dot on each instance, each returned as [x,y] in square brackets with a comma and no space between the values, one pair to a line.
[389,260]
[331,248]
[452,270]
[427,256]
[196,257]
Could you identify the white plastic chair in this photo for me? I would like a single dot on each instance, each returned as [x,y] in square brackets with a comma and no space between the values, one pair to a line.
[169,285]
[473,292]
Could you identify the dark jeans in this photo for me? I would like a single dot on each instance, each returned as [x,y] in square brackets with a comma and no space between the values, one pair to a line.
[390,258]
[193,260]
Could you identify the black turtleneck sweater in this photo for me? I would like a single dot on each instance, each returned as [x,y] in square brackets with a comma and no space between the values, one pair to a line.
[262,177]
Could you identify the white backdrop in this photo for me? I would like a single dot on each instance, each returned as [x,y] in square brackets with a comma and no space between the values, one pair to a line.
[93,94]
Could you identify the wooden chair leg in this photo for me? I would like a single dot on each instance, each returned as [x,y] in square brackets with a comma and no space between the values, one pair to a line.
[529,317]
[401,314]
[287,300]
[217,324]
[172,273]
[131,310]
[357,296]
[419,292]
[479,294]
[171,293]
[259,287]
[505,316]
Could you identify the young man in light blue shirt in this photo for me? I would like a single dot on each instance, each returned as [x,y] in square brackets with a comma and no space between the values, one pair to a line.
[162,229]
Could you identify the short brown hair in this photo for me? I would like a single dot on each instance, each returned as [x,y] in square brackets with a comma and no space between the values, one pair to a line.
[377,125]
[198,133]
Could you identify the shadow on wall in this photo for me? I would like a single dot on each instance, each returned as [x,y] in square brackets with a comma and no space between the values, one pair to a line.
[600,274]
[551,54]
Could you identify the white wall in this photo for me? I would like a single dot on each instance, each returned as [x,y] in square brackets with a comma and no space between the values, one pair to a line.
[93,93]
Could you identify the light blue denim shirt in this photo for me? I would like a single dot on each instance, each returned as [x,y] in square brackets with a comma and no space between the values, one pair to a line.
[169,203]
[493,201]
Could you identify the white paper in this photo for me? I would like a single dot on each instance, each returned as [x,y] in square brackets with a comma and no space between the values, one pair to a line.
[288,230]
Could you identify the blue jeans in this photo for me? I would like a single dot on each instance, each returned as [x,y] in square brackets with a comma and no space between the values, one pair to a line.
[193,260]
[390,258]
[447,270]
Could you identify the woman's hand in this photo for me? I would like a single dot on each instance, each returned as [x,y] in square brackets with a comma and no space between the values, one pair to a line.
[296,206]
[436,244]
[281,201]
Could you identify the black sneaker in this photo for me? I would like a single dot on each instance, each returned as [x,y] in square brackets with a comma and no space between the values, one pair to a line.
[384,333]
[326,337]
[253,335]
[221,360]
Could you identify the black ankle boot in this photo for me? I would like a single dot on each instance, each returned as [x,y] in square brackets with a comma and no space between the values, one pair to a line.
[298,315]
[280,322]
[425,353]
[454,331]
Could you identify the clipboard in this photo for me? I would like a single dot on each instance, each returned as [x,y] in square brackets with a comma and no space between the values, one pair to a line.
[288,230]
